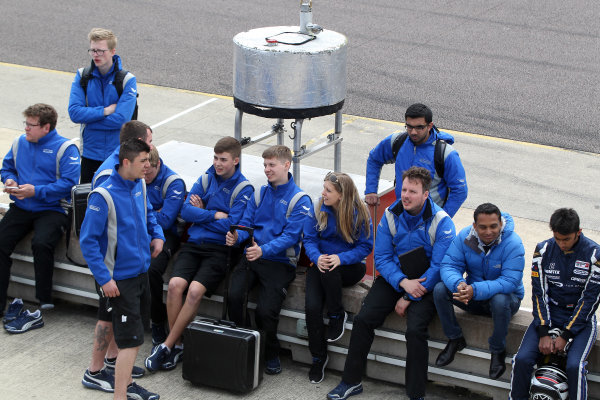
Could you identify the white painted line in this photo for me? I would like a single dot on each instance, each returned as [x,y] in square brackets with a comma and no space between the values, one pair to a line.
[183,113]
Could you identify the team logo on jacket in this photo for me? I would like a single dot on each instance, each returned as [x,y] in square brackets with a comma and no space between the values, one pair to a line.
[582,264]
[138,194]
[48,151]
[156,187]
[580,272]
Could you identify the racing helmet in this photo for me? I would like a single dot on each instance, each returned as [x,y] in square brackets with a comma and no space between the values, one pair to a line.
[549,383]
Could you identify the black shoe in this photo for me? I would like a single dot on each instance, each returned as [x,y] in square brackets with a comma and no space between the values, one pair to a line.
[447,355]
[317,370]
[497,365]
[337,326]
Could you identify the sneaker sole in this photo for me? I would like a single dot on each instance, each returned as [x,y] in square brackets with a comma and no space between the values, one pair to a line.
[352,391]
[91,385]
[27,327]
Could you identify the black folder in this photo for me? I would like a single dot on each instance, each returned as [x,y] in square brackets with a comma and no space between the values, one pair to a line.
[414,263]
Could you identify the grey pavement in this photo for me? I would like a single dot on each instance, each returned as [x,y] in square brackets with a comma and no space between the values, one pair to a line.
[529,181]
[519,69]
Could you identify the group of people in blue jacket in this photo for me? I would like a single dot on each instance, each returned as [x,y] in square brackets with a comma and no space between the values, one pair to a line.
[133,228]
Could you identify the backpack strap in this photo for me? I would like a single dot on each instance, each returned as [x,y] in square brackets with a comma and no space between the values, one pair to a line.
[441,152]
[239,187]
[86,74]
[111,228]
[170,179]
[397,140]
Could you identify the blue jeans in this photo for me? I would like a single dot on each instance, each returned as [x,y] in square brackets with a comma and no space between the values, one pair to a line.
[501,307]
[528,354]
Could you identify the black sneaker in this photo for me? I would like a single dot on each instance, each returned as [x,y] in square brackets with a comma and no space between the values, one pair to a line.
[136,372]
[14,310]
[136,392]
[317,370]
[101,380]
[337,325]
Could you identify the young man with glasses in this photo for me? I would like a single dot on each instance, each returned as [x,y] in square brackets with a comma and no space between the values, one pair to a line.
[99,108]
[29,173]
[419,148]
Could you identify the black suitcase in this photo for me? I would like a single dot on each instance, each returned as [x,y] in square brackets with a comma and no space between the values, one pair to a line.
[79,199]
[221,355]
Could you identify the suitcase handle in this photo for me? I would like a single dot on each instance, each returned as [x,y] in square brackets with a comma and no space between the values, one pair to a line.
[230,324]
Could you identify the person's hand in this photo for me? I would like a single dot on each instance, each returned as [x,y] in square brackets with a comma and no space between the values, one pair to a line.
[156,246]
[24,191]
[559,344]
[10,185]
[546,345]
[253,252]
[401,306]
[110,109]
[372,199]
[464,293]
[196,201]
[231,238]
[331,261]
[220,215]
[321,264]
[110,289]
[413,287]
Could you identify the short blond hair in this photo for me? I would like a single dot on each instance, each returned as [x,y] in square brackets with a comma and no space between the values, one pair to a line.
[153,157]
[280,152]
[97,34]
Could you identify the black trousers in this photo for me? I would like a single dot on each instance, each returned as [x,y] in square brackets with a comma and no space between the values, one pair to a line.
[48,227]
[273,279]
[325,288]
[88,169]
[158,266]
[379,303]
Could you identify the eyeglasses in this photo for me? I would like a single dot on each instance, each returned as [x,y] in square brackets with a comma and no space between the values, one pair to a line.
[416,128]
[332,177]
[99,52]
[28,125]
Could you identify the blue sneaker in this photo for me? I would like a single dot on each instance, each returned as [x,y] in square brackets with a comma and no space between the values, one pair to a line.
[159,355]
[175,357]
[136,372]
[273,366]
[101,380]
[14,309]
[136,392]
[25,321]
[159,334]
[344,390]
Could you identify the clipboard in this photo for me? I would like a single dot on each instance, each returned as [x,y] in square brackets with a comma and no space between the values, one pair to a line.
[414,262]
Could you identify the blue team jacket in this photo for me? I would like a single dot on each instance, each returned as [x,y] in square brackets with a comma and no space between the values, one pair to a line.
[101,175]
[498,271]
[136,227]
[454,179]
[328,241]
[273,232]
[565,286]
[101,134]
[432,228]
[205,228]
[36,165]
[166,208]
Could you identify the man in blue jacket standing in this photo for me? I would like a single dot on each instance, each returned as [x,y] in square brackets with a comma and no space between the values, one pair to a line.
[492,255]
[98,107]
[565,285]
[277,215]
[419,147]
[217,200]
[413,222]
[38,172]
[119,235]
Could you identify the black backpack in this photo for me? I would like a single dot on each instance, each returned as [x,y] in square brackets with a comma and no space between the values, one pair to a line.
[438,154]
[86,74]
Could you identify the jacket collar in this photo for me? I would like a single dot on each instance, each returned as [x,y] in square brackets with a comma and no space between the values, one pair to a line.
[397,209]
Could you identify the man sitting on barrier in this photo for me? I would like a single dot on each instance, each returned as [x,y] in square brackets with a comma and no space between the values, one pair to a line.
[38,172]
[166,193]
[217,200]
[277,215]
[492,255]
[422,145]
[412,239]
[565,284]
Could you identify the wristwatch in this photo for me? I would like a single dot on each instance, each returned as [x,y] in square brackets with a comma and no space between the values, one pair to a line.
[405,296]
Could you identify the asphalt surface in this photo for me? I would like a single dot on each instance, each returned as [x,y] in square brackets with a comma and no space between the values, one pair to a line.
[525,70]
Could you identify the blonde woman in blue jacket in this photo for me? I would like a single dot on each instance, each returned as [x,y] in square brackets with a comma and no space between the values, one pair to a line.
[337,239]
